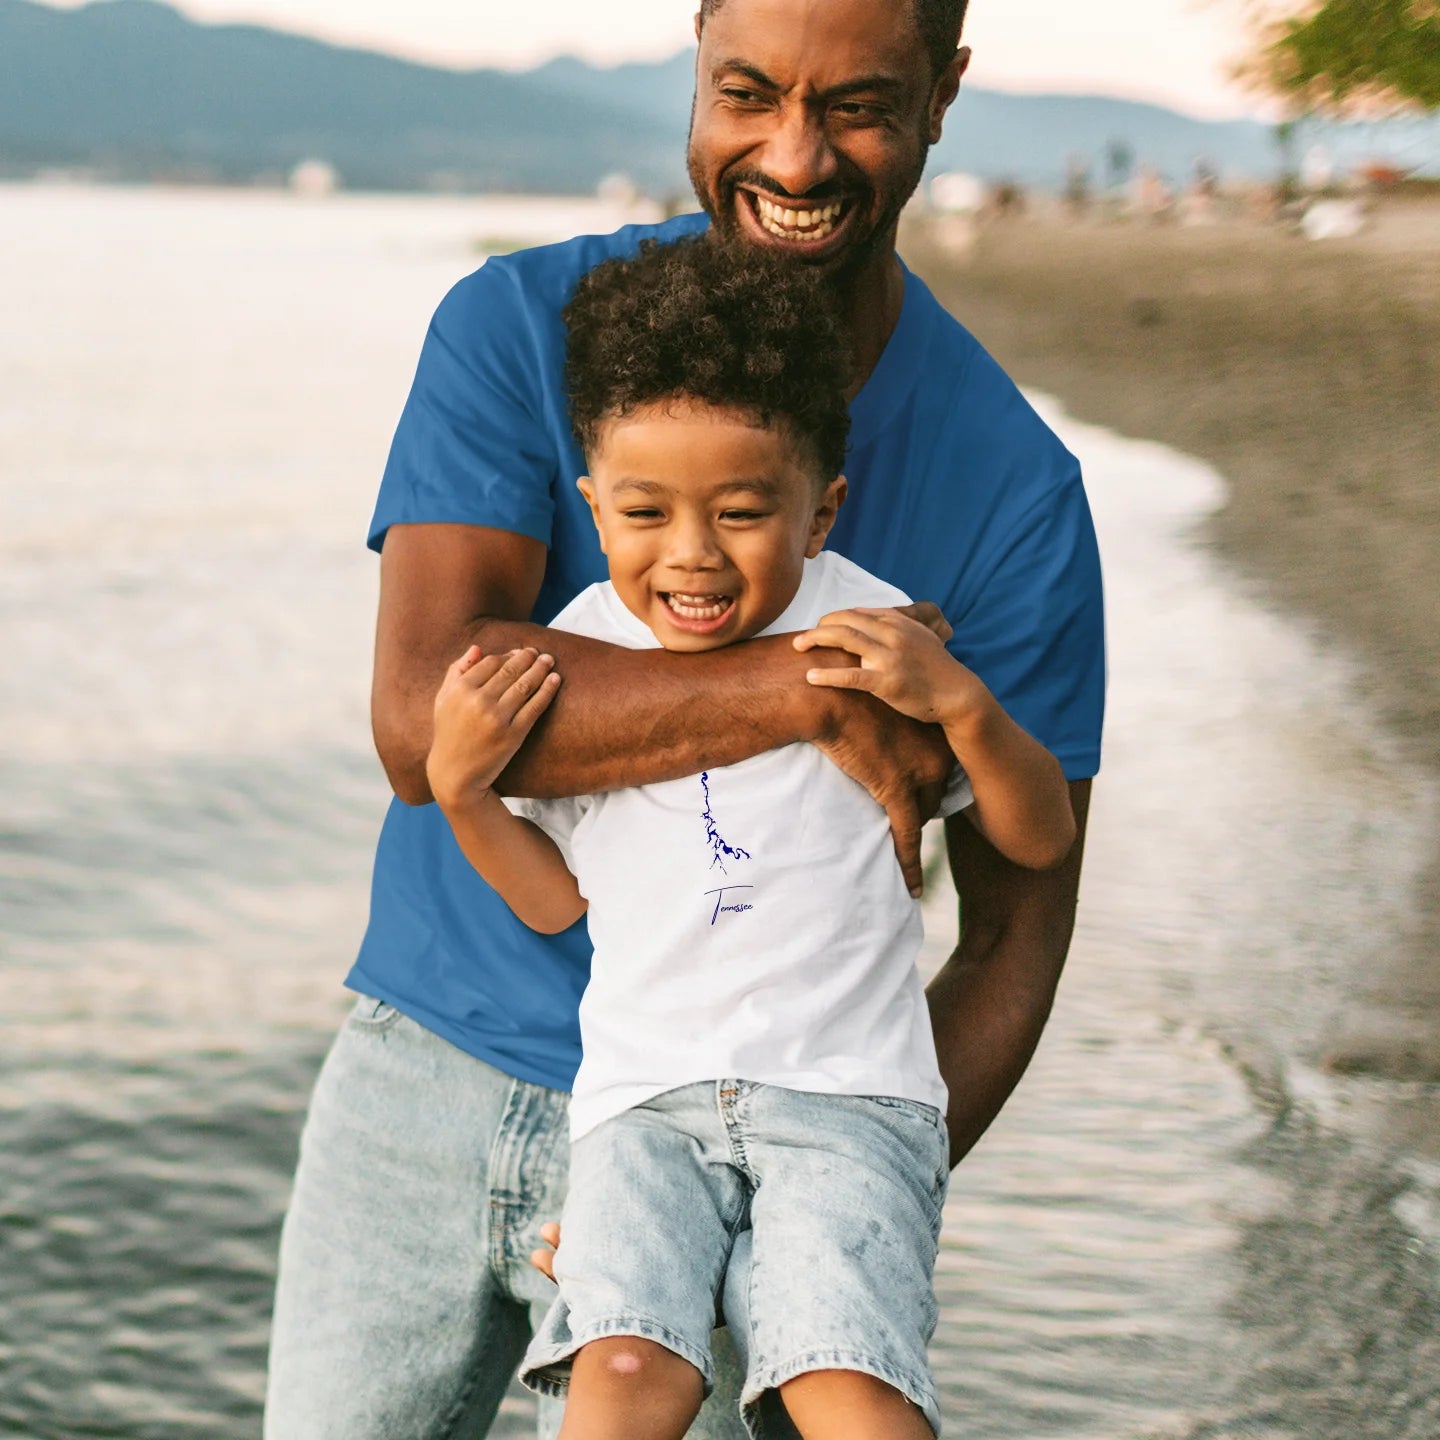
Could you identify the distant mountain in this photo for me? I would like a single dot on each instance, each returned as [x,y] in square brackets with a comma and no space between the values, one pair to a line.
[133,89]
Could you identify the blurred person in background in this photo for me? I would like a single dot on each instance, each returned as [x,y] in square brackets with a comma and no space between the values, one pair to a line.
[436,1141]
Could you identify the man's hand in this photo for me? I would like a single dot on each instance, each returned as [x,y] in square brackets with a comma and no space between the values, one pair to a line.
[901,762]
[929,616]
[485,707]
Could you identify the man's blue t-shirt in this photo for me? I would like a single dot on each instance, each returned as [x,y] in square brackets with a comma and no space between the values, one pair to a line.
[958,493]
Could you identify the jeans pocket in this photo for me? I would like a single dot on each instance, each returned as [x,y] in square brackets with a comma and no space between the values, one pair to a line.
[372,1016]
[939,1138]
[921,1111]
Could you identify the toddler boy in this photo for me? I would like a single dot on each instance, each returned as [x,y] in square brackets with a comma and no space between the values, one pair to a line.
[757,1050]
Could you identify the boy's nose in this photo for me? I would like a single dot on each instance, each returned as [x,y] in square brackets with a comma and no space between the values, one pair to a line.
[693,547]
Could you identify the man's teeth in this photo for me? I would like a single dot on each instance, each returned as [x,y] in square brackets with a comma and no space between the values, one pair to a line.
[813,224]
[699,607]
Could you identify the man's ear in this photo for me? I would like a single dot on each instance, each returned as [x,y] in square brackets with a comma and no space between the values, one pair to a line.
[586,486]
[947,87]
[825,512]
[699,22]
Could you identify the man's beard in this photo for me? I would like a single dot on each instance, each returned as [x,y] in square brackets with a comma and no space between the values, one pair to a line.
[848,262]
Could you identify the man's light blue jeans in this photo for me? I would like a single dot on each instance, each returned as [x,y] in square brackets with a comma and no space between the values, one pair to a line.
[406,1295]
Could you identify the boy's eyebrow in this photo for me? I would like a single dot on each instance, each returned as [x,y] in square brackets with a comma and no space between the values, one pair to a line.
[762,486]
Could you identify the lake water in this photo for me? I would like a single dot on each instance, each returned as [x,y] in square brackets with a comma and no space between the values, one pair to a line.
[1180,1229]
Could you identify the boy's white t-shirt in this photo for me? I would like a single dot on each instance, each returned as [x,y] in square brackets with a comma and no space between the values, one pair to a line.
[750,922]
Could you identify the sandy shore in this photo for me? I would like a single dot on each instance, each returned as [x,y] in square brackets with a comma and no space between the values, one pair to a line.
[1309,375]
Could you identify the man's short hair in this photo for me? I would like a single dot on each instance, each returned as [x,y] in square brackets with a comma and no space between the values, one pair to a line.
[938,21]
[726,325]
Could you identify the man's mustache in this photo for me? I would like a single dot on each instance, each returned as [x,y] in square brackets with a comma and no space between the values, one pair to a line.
[759,180]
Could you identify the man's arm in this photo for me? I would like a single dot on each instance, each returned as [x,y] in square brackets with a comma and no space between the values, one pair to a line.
[990,1001]
[622,717]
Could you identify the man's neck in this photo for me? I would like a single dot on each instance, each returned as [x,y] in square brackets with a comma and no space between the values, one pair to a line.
[875,298]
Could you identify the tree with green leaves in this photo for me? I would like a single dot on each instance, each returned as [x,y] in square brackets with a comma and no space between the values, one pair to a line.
[1355,54]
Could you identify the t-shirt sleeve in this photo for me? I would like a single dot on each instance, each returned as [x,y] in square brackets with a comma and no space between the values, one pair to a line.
[1036,630]
[472,446]
[958,794]
[557,818]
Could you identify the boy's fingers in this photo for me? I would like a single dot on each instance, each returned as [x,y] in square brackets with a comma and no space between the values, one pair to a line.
[477,673]
[854,679]
[543,1259]
[839,637]
[873,617]
[511,667]
[467,676]
[521,688]
[460,666]
[526,716]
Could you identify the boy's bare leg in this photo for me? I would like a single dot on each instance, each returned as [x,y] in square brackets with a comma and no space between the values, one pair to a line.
[626,1388]
[849,1405]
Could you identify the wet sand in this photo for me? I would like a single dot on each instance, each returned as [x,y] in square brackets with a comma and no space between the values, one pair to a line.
[1308,374]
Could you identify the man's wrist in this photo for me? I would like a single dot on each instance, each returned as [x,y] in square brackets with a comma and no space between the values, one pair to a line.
[818,715]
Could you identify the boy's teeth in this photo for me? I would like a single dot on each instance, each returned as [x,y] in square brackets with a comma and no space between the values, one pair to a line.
[814,224]
[699,607]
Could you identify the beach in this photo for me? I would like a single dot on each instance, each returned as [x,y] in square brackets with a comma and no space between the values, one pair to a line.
[1163,1234]
[1307,373]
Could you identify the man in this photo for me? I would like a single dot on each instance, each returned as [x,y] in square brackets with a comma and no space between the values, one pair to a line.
[436,1140]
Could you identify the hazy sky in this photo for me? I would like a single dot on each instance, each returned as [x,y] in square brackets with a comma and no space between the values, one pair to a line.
[1174,51]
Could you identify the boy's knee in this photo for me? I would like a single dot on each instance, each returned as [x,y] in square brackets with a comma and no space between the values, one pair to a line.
[633,1358]
[626,1356]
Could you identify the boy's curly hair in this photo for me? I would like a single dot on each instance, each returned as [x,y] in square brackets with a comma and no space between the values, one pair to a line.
[698,320]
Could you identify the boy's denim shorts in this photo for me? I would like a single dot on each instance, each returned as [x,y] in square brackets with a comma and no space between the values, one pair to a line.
[830,1204]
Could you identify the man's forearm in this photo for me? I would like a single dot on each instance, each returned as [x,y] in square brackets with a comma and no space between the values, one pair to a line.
[990,1001]
[635,717]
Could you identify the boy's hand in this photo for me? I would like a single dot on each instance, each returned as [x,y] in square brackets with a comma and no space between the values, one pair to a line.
[903,661]
[543,1259]
[486,706]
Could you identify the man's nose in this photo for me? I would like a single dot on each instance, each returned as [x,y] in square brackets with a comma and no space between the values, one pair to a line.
[798,155]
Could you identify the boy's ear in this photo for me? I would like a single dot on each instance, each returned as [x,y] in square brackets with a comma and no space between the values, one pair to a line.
[825,512]
[586,486]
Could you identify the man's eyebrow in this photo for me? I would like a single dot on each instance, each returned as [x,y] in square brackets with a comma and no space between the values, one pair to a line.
[865,84]
[744,67]
[862,84]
